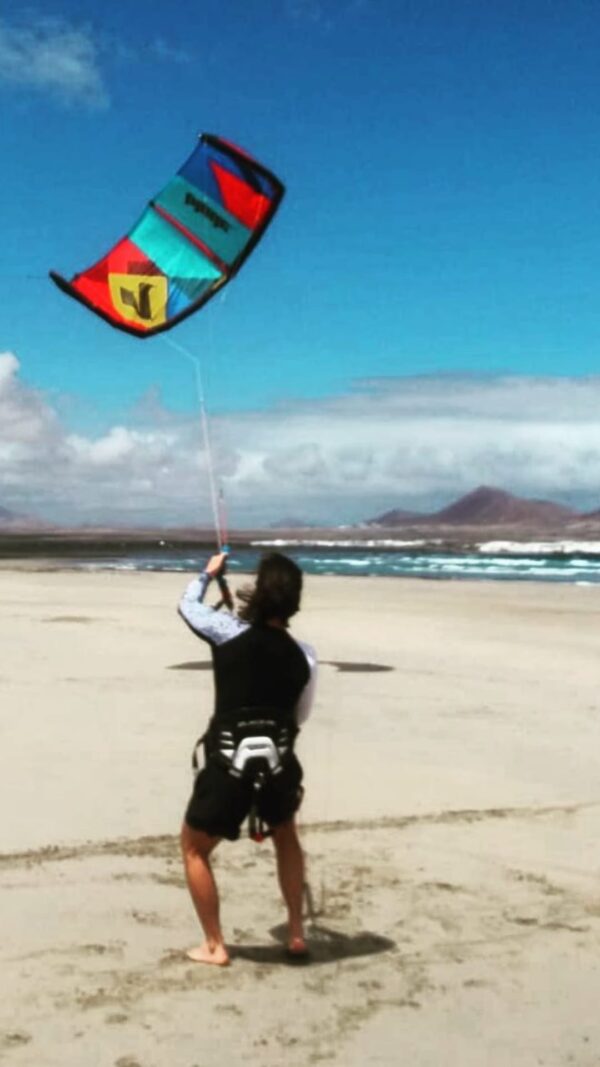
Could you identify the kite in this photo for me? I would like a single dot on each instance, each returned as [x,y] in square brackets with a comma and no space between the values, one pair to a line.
[190,241]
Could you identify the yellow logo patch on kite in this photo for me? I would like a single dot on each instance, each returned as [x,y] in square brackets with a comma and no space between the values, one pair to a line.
[140,298]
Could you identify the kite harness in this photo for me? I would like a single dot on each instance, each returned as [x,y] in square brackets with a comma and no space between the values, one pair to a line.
[251,744]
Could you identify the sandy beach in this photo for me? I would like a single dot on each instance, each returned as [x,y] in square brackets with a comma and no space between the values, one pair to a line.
[450,823]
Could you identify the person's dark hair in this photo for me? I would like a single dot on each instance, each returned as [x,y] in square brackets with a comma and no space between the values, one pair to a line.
[276,593]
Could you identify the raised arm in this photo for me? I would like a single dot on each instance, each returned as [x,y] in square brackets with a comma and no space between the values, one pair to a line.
[211,625]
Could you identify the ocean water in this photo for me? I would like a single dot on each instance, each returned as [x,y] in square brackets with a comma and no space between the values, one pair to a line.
[568,562]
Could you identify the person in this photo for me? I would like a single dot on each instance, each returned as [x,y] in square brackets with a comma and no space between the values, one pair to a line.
[264,685]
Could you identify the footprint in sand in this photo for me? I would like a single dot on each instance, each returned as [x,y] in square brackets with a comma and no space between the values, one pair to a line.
[68,618]
[14,1038]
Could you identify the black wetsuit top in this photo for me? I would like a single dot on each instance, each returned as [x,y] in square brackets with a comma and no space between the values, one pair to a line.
[255,666]
[262,667]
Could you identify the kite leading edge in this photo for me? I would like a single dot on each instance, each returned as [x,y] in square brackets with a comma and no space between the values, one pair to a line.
[190,241]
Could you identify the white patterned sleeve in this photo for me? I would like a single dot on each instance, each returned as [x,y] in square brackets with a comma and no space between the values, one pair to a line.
[211,625]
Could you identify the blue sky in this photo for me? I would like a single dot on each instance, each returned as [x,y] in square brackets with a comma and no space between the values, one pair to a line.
[441,223]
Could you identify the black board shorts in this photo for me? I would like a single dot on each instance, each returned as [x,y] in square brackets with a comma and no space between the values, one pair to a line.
[220,803]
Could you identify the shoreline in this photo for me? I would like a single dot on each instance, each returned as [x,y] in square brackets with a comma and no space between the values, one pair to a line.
[561,562]
[28,565]
[53,566]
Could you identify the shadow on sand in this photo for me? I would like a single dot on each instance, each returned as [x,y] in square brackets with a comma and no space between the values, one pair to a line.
[325,946]
[349,666]
[346,666]
[193,665]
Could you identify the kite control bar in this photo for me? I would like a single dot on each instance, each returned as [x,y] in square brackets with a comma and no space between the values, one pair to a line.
[219,574]
[226,597]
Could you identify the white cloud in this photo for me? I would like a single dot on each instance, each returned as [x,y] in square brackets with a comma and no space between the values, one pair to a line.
[52,56]
[388,443]
[121,447]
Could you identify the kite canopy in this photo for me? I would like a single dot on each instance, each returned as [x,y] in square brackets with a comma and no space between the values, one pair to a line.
[192,238]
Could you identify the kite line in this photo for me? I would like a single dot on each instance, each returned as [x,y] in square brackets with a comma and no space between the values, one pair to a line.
[216,500]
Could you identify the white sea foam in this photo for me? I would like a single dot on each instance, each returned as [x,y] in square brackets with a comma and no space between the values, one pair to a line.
[103,565]
[280,542]
[540,548]
[572,562]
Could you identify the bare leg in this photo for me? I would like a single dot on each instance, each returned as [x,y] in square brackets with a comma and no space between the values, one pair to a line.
[196,847]
[290,868]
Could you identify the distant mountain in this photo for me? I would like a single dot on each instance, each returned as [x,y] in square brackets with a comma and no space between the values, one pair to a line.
[11,518]
[486,506]
[13,521]
[495,507]
[292,523]
[395,517]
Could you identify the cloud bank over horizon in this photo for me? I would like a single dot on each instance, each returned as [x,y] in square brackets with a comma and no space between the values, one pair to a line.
[414,442]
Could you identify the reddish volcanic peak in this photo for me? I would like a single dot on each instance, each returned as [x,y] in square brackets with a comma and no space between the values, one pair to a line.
[486,505]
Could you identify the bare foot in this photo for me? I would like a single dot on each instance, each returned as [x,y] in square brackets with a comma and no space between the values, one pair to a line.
[297,947]
[204,954]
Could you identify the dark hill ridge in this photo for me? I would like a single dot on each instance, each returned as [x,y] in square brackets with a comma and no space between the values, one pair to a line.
[486,506]
[12,520]
[293,523]
[395,517]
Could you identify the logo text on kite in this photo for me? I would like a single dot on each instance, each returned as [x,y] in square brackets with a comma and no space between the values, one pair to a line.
[140,303]
[199,206]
